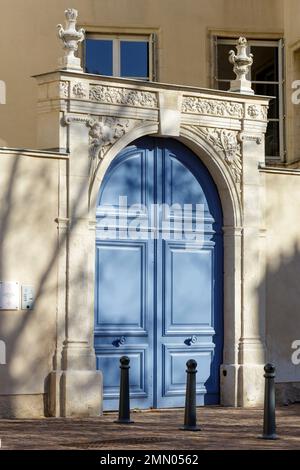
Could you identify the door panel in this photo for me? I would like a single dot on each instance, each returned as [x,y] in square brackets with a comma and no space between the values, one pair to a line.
[180,185]
[187,280]
[128,179]
[122,280]
[123,324]
[159,298]
[174,363]
[108,361]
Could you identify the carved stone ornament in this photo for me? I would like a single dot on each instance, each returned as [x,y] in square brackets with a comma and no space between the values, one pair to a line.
[80,90]
[264,112]
[123,96]
[104,133]
[257,112]
[69,118]
[228,146]
[241,65]
[193,104]
[70,38]
[253,111]
[242,137]
[64,89]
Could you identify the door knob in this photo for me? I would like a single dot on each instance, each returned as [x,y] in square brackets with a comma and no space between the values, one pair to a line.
[191,340]
[119,342]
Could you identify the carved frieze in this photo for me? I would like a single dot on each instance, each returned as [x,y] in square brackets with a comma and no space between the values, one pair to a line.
[257,112]
[122,96]
[193,104]
[228,146]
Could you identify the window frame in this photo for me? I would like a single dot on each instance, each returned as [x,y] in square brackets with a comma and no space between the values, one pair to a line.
[116,39]
[256,42]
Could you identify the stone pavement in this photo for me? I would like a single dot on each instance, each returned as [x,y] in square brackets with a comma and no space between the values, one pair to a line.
[222,428]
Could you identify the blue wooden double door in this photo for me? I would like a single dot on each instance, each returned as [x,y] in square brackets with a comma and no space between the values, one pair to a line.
[158,292]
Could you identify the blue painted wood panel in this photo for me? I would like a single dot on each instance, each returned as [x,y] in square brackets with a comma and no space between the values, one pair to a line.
[159,301]
[121,305]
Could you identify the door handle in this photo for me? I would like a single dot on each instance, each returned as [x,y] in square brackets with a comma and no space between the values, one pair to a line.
[119,342]
[191,340]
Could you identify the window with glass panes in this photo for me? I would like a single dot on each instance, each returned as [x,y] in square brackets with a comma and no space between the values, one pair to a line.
[128,56]
[266,75]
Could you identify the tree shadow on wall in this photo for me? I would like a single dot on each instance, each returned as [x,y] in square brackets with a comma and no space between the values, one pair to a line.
[281,289]
[29,251]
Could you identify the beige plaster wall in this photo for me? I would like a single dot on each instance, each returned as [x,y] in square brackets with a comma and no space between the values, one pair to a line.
[283,271]
[28,43]
[29,186]
[28,254]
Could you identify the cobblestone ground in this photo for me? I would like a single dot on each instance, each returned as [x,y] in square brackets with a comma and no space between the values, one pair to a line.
[222,428]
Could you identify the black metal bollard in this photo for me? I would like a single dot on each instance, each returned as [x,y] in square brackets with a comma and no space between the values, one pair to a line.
[269,431]
[190,412]
[124,403]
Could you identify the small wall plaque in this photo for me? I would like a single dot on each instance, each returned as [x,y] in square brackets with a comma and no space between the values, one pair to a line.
[9,295]
[27,297]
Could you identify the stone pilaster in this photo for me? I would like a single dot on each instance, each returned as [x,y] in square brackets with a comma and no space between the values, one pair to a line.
[252,341]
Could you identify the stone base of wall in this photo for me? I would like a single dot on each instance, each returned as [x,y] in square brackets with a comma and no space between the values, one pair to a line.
[288,392]
[22,406]
[35,407]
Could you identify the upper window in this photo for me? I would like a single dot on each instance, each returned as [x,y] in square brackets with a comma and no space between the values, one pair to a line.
[266,75]
[120,56]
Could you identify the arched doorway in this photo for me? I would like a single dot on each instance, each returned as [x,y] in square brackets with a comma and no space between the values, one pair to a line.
[159,274]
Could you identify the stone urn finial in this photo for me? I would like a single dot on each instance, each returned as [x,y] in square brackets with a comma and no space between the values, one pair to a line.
[71,38]
[241,65]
